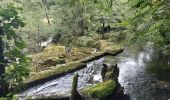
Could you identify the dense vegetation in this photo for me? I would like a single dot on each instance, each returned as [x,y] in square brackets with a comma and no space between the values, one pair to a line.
[13,62]
[151,22]
[53,32]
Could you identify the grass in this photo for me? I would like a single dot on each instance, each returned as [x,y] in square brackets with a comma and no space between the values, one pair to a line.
[101,90]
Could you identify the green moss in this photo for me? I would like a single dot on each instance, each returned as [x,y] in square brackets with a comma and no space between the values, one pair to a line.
[49,52]
[74,87]
[54,70]
[101,90]
[53,61]
[48,62]
[78,54]
[110,47]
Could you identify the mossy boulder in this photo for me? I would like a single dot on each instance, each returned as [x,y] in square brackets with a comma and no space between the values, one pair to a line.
[55,49]
[53,61]
[109,88]
[48,53]
[108,46]
[54,70]
[82,50]
[78,54]
[99,91]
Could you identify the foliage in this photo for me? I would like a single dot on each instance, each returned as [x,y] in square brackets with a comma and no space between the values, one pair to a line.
[16,66]
[9,97]
[46,18]
[151,21]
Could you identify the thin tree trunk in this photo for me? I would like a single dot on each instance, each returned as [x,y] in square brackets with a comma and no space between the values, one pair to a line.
[3,89]
[46,12]
[74,92]
[111,3]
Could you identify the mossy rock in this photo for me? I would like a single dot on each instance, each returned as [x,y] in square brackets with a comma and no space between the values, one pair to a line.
[48,53]
[99,91]
[54,48]
[106,46]
[109,75]
[78,54]
[53,61]
[54,70]
[81,50]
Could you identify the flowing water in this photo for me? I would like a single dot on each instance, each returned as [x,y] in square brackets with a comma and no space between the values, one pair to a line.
[137,83]
[62,86]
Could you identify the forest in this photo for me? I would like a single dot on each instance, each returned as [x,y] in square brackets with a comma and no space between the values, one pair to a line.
[84,49]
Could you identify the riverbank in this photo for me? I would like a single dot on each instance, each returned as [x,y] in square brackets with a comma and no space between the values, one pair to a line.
[65,69]
[108,89]
[54,62]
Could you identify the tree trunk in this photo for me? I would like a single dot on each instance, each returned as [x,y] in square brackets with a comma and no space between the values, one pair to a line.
[74,93]
[3,89]
[46,12]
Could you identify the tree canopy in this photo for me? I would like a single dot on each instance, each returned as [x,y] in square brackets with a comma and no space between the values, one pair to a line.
[151,22]
[13,60]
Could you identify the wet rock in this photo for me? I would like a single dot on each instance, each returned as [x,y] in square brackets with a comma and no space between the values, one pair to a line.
[99,91]
[103,71]
[56,38]
[112,72]
[115,72]
[109,89]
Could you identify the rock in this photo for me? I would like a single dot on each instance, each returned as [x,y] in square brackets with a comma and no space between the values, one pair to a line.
[115,72]
[56,38]
[99,91]
[53,62]
[112,72]
[109,89]
[107,46]
[103,71]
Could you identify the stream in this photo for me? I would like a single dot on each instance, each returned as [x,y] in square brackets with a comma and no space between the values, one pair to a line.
[137,82]
[61,87]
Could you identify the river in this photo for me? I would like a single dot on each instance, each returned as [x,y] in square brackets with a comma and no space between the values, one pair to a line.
[137,82]
[134,77]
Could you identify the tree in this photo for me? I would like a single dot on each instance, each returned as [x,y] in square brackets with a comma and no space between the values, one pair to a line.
[2,66]
[152,22]
[13,62]
[82,16]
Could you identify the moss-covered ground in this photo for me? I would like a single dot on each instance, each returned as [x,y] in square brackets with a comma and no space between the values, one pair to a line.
[57,59]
